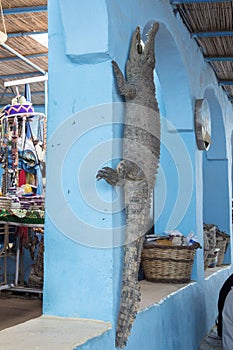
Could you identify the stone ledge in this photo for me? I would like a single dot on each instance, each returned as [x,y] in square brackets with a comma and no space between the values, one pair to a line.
[156,293]
[53,333]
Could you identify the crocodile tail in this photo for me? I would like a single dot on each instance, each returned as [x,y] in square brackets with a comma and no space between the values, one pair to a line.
[130,298]
[130,292]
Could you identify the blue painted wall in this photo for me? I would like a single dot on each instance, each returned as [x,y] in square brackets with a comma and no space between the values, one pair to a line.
[77,272]
[85,220]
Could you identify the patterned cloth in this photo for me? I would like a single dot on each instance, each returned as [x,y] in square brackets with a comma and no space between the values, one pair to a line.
[18,108]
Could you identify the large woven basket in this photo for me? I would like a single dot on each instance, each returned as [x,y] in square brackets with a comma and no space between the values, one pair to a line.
[168,264]
[222,241]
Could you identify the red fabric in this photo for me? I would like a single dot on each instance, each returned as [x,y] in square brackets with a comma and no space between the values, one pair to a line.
[23,234]
[22,178]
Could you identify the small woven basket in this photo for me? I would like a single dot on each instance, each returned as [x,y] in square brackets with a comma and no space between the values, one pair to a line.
[168,264]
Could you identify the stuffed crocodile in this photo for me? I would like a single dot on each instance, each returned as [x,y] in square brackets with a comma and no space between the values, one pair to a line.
[137,171]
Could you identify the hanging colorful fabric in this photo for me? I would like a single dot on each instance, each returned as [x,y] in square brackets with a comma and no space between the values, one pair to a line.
[5,176]
[14,151]
[14,147]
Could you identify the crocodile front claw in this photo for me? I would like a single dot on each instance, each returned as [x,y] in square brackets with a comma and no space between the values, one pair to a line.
[109,175]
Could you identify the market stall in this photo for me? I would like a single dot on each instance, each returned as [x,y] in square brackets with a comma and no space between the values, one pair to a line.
[22,156]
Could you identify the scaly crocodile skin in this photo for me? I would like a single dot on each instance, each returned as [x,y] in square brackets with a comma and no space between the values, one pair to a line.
[137,171]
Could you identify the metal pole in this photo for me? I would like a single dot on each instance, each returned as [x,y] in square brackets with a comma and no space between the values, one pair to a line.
[46,98]
[26,80]
[23,58]
[17,260]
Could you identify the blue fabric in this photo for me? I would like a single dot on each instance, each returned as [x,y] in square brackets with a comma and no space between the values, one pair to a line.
[39,180]
[27,92]
[28,130]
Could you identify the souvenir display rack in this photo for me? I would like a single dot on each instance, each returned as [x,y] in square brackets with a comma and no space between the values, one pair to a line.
[22,187]
[18,149]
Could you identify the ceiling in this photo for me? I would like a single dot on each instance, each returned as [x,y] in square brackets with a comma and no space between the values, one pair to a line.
[210,23]
[21,56]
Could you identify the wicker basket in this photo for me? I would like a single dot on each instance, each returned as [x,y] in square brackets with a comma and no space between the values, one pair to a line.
[168,264]
[222,241]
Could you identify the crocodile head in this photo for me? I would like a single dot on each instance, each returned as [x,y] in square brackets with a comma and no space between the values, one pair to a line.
[141,54]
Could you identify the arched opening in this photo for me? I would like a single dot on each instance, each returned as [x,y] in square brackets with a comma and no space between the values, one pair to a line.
[173,192]
[174,200]
[216,208]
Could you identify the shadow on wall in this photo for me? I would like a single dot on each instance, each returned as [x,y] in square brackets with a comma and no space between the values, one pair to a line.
[174,188]
[173,78]
[216,208]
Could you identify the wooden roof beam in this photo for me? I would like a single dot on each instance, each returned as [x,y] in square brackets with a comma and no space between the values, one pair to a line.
[20,75]
[32,93]
[37,55]
[211,34]
[226,82]
[19,34]
[181,2]
[218,58]
[22,10]
[23,58]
